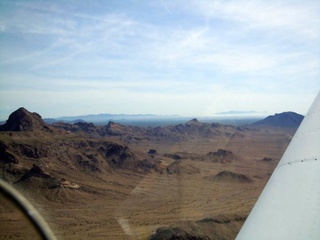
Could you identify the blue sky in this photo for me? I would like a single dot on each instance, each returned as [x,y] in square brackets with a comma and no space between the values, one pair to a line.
[188,58]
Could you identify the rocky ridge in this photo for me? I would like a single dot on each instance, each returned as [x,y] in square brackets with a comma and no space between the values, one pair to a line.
[31,151]
[183,131]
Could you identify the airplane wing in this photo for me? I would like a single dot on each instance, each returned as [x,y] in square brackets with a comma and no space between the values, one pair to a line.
[289,205]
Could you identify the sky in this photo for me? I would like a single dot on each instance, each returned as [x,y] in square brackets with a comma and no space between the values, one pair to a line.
[177,57]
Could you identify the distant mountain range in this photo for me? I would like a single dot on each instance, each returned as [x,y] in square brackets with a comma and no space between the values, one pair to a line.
[105,118]
[22,119]
[151,120]
[283,120]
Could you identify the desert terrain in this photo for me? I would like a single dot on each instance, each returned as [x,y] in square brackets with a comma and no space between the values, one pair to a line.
[194,180]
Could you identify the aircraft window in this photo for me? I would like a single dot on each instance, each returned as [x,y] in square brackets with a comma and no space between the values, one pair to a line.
[150,119]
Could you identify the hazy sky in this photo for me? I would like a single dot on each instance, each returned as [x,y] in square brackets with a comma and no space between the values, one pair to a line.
[191,58]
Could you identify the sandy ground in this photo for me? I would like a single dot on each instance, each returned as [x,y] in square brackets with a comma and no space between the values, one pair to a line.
[126,205]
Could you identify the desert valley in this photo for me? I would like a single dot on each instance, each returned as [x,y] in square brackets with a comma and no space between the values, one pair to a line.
[192,180]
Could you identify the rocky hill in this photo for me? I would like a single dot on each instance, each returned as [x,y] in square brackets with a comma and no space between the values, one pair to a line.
[203,229]
[23,120]
[227,176]
[28,148]
[285,120]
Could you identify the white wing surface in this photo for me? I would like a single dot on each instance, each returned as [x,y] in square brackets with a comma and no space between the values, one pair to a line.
[289,206]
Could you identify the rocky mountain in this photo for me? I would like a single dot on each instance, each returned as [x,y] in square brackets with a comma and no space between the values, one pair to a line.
[23,120]
[285,120]
[30,150]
